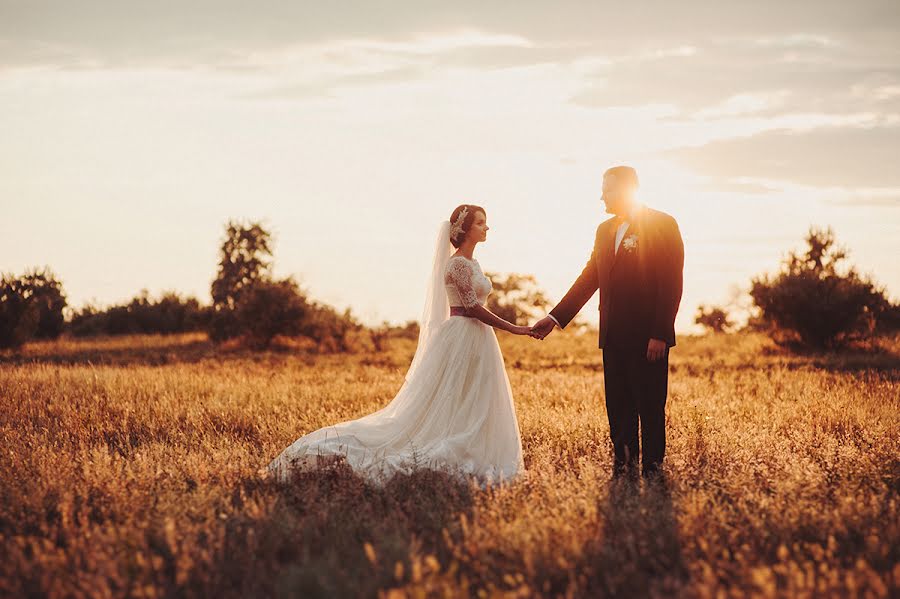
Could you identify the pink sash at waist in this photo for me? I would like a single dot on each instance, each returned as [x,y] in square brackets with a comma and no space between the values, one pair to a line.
[457,311]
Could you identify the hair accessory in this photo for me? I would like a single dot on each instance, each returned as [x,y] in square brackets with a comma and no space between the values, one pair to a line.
[457,226]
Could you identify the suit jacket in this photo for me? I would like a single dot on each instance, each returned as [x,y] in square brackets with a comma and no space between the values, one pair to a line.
[640,285]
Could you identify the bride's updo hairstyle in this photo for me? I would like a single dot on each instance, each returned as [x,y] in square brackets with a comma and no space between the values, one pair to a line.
[466,223]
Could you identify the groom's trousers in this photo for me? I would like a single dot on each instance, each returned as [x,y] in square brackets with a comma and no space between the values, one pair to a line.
[636,390]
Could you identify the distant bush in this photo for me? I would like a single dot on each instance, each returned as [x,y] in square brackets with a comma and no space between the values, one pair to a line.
[890,320]
[31,307]
[379,335]
[333,331]
[171,313]
[409,330]
[516,298]
[249,303]
[713,318]
[816,301]
[269,308]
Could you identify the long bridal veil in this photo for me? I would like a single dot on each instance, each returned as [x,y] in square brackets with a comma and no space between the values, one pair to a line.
[437,306]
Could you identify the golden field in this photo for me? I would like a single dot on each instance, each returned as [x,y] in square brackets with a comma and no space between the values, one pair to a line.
[129,467]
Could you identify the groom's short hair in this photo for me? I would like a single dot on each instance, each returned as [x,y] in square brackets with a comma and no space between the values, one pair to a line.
[625,173]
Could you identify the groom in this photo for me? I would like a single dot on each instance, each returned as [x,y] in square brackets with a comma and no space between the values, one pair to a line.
[637,264]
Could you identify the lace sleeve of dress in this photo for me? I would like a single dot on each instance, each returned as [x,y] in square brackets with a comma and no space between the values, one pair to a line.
[460,274]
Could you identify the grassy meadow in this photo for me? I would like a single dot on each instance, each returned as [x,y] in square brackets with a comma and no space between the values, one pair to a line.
[130,467]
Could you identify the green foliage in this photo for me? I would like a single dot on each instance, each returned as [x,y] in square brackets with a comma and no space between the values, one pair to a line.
[816,301]
[31,307]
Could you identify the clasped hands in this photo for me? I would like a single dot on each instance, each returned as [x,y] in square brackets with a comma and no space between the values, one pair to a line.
[538,331]
[656,348]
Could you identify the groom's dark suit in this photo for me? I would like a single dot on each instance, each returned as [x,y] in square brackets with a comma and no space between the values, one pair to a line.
[640,291]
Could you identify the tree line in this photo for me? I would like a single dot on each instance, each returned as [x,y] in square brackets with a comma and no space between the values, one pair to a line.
[248,304]
[814,300]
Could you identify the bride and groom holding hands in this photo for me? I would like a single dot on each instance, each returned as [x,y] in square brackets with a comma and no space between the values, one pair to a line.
[455,410]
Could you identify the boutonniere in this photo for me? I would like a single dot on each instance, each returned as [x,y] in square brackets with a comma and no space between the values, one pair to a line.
[630,242]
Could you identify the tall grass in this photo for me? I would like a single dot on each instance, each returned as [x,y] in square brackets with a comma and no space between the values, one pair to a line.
[129,467]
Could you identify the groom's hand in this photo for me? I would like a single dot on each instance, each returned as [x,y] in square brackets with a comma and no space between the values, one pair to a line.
[656,349]
[543,327]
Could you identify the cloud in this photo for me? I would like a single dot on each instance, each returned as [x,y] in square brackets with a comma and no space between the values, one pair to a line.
[695,62]
[756,76]
[326,86]
[167,32]
[739,185]
[886,198]
[317,70]
[825,157]
[708,60]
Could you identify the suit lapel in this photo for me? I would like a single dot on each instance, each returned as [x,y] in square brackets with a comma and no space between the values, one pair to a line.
[616,254]
[609,246]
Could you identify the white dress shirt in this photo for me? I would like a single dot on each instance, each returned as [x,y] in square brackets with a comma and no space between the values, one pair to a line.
[620,233]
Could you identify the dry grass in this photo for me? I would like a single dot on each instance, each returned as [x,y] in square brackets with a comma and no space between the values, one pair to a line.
[128,467]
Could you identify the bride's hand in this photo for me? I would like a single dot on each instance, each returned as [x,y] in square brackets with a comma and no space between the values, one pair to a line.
[518,330]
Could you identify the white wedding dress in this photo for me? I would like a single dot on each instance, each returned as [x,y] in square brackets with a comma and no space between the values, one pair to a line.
[455,410]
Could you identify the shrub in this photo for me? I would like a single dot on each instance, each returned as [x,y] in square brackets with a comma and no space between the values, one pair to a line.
[713,318]
[889,322]
[269,308]
[816,301]
[380,335]
[331,329]
[170,314]
[31,307]
[248,303]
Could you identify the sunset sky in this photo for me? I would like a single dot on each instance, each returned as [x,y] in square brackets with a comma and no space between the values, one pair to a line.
[130,132]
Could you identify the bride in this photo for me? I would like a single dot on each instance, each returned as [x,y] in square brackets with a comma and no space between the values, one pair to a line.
[454,411]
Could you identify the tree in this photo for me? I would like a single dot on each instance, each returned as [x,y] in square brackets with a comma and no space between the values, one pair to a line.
[249,303]
[31,306]
[329,328]
[817,301]
[244,258]
[47,291]
[516,297]
[268,308]
[713,318]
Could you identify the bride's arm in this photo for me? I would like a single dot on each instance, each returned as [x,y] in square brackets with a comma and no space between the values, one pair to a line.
[460,273]
[489,318]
